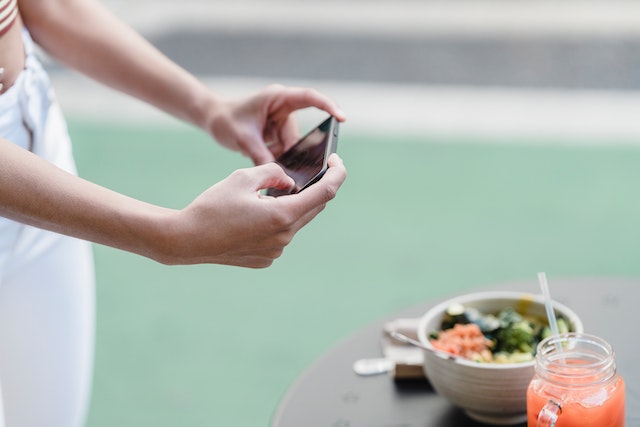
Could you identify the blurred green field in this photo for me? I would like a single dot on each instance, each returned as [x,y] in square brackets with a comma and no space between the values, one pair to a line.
[416,219]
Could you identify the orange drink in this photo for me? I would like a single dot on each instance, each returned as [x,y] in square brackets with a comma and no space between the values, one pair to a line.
[575,411]
[576,384]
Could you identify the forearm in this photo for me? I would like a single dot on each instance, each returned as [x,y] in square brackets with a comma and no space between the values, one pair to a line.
[230,223]
[87,37]
[38,193]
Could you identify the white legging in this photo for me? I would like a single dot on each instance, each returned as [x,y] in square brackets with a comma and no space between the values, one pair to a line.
[46,281]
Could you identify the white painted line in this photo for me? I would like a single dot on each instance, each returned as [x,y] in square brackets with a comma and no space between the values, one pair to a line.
[507,115]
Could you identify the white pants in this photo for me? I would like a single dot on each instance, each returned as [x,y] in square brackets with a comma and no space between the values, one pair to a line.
[46,281]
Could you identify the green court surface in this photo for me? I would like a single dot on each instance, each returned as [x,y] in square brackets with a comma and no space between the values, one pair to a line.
[416,219]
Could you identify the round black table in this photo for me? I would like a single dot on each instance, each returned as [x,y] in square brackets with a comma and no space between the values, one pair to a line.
[330,394]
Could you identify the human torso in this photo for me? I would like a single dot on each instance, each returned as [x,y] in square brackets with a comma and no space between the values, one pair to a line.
[11,48]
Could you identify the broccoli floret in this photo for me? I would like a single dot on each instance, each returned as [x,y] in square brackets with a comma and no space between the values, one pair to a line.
[508,317]
[517,337]
[563,328]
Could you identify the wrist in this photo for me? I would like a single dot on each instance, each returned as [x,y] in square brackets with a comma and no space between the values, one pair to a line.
[161,236]
[206,104]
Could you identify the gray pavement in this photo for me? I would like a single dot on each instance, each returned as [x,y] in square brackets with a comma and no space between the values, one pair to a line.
[522,43]
[481,67]
[525,61]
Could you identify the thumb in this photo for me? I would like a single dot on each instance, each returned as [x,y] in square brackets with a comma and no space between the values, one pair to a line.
[273,176]
[322,191]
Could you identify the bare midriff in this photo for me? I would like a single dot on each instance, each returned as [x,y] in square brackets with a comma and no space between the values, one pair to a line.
[11,54]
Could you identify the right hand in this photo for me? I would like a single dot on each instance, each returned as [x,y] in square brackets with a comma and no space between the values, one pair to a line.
[233,224]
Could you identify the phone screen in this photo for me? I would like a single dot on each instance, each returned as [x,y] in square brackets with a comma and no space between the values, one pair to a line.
[306,161]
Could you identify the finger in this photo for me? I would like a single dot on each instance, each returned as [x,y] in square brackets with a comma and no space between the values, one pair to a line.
[289,135]
[332,181]
[313,98]
[256,259]
[271,175]
[307,217]
[246,261]
[299,97]
[259,152]
[336,173]
[278,135]
[318,194]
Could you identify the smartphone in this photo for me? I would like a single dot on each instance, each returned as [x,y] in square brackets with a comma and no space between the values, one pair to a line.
[306,161]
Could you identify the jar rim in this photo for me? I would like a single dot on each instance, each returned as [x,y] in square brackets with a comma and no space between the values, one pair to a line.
[575,358]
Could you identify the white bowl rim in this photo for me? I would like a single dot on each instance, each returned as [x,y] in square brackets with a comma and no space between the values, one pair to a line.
[488,295]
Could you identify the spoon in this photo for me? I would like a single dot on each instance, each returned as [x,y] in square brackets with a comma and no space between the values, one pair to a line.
[408,340]
[405,339]
[382,365]
[375,366]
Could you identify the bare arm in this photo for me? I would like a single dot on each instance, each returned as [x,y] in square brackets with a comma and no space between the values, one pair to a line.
[230,223]
[84,35]
[35,192]
[87,37]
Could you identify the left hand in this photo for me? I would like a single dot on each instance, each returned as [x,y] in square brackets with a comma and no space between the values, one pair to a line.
[261,126]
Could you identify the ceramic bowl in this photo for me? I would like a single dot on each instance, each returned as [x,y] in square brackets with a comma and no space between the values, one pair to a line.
[492,393]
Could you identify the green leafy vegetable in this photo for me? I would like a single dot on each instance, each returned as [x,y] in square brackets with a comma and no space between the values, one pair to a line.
[514,336]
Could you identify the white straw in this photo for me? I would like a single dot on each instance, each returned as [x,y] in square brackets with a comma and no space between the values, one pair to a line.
[551,315]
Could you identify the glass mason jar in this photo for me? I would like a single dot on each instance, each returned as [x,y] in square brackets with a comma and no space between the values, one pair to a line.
[575,384]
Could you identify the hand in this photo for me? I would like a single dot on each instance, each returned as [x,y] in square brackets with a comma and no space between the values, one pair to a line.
[233,224]
[261,126]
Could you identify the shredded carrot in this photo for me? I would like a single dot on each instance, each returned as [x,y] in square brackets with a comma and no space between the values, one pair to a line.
[466,341]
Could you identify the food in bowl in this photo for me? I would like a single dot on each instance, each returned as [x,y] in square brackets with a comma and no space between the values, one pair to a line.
[492,393]
[506,336]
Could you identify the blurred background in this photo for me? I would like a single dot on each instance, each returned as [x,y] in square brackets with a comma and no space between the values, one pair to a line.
[486,140]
